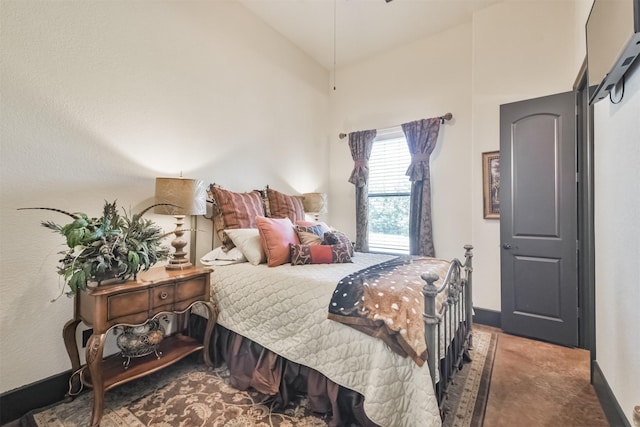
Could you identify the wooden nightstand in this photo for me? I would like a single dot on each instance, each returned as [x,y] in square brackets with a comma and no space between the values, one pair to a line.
[133,303]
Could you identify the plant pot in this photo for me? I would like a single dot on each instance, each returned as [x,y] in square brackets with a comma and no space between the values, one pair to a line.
[94,282]
[139,341]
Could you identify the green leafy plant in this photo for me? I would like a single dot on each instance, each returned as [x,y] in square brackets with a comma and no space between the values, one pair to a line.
[111,246]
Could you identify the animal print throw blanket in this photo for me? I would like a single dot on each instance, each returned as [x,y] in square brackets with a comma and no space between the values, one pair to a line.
[386,302]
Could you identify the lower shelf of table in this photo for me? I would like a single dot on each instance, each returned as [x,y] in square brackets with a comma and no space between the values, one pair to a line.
[172,349]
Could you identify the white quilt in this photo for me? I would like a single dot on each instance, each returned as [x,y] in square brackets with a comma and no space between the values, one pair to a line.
[285,310]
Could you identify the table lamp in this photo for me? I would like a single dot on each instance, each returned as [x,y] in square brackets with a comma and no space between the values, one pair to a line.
[184,197]
[314,204]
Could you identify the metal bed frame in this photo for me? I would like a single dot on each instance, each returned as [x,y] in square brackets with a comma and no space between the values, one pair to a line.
[453,323]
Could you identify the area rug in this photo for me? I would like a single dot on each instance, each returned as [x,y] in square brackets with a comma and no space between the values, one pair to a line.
[468,392]
[190,394]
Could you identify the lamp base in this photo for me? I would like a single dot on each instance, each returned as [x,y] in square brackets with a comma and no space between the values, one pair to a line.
[178,265]
[179,260]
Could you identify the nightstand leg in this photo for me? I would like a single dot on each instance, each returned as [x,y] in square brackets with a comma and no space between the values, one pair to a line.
[95,348]
[211,322]
[69,336]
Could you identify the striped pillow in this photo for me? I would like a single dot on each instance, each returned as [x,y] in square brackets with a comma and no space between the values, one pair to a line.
[284,206]
[238,210]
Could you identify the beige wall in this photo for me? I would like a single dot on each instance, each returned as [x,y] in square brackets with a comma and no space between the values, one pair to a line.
[617,233]
[99,98]
[424,79]
[504,55]
[521,50]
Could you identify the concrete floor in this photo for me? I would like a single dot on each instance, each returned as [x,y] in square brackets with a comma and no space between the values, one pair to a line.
[538,384]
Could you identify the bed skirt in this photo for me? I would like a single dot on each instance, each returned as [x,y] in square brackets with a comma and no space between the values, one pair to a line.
[253,366]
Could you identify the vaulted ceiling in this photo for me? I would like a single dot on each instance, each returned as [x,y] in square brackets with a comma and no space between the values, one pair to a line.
[352,30]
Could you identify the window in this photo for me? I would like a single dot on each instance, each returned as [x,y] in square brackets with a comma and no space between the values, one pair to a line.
[389,192]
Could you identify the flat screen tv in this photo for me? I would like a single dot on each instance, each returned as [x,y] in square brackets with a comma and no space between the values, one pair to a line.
[613,44]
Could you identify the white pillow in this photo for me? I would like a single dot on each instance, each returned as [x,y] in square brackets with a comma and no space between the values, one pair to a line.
[248,241]
[220,257]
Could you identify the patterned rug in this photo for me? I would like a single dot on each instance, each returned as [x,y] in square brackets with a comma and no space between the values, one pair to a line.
[190,394]
[469,390]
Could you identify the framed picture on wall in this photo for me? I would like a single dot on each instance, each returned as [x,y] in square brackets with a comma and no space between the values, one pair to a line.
[491,184]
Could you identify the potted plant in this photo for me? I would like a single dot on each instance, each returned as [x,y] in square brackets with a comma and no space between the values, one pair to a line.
[113,246]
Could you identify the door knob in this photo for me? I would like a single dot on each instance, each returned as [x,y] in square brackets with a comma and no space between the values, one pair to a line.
[506,245]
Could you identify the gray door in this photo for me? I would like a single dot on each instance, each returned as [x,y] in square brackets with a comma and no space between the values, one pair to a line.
[538,219]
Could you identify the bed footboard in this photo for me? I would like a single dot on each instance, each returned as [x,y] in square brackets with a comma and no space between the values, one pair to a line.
[452,324]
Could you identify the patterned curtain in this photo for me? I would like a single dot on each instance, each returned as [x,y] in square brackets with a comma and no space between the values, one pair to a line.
[421,136]
[360,144]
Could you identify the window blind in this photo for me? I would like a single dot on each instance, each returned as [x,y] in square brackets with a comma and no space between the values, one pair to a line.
[389,192]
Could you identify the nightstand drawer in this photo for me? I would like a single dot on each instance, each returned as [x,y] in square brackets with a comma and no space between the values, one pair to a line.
[127,303]
[189,289]
[162,295]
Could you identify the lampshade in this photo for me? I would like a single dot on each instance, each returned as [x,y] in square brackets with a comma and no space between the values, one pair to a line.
[186,197]
[314,203]
[189,196]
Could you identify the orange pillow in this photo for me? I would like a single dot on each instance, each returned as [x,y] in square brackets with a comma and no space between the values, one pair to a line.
[276,234]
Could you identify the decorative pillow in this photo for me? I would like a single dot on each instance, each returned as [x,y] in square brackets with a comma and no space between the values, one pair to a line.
[218,220]
[337,237]
[311,235]
[284,206]
[319,254]
[247,240]
[323,225]
[238,210]
[276,234]
[218,256]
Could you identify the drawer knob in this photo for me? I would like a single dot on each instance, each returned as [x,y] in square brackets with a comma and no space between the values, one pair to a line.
[163,295]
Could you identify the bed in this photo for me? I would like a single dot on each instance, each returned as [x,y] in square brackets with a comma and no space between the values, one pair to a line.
[275,331]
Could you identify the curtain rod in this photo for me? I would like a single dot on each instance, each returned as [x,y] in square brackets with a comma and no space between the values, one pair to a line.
[446,117]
